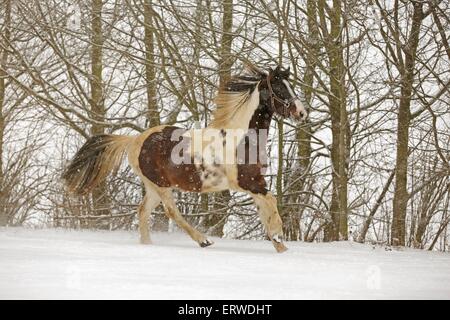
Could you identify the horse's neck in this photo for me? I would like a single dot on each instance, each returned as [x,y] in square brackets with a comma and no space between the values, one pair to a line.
[259,124]
[261,119]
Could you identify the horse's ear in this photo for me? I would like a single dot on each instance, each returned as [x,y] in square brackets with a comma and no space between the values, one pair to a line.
[287,72]
[273,72]
[277,70]
[280,72]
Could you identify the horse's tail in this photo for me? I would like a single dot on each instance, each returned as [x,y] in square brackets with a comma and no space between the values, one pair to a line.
[100,155]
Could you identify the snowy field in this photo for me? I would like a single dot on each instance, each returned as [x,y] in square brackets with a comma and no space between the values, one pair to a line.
[62,264]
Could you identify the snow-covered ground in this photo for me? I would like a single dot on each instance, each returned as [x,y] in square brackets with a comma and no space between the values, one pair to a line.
[63,264]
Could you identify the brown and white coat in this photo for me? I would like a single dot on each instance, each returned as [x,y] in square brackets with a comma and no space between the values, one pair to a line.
[245,105]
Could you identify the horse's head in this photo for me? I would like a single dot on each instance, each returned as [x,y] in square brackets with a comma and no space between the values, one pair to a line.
[279,96]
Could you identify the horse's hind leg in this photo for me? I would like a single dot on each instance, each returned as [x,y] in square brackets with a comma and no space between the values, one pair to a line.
[173,213]
[149,203]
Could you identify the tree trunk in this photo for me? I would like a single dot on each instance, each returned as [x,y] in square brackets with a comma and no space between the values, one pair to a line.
[226,57]
[280,156]
[216,222]
[150,62]
[3,61]
[398,229]
[97,102]
[337,229]
[304,131]
[100,194]
[160,222]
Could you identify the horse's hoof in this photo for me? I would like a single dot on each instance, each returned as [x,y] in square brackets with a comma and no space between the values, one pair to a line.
[145,241]
[280,247]
[278,243]
[206,243]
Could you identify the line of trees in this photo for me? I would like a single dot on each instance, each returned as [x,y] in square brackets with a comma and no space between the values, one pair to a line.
[372,163]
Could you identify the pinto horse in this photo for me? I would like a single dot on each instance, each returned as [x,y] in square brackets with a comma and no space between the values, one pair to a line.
[222,156]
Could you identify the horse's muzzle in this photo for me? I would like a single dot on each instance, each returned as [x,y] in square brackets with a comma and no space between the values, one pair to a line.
[298,110]
[299,116]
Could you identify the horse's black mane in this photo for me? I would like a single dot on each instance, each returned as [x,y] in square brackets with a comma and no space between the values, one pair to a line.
[245,82]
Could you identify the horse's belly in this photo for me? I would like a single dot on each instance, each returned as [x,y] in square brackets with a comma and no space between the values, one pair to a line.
[213,178]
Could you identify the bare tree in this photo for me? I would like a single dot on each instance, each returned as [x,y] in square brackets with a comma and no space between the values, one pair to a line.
[371,163]
[5,30]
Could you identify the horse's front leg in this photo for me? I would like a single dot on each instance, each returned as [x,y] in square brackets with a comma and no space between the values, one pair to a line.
[268,212]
